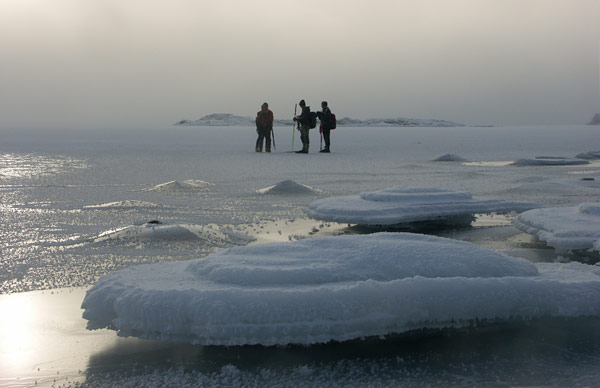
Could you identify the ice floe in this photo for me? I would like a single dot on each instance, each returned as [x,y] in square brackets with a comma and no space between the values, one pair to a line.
[122,205]
[176,186]
[402,205]
[564,228]
[450,158]
[335,288]
[156,231]
[589,155]
[550,161]
[288,187]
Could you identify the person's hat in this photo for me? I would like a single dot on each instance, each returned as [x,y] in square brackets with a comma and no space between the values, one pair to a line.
[302,103]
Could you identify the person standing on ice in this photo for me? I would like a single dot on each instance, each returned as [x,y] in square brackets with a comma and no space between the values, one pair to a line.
[264,127]
[304,120]
[326,125]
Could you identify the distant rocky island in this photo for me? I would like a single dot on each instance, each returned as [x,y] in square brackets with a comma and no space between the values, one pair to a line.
[228,119]
[595,120]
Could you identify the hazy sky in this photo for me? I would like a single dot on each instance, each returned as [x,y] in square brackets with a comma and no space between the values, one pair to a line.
[135,63]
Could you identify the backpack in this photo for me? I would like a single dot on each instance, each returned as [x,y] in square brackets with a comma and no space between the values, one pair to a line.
[332,122]
[312,120]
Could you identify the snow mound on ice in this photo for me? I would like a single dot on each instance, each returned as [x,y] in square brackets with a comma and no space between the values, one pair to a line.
[155,231]
[550,161]
[400,205]
[589,155]
[564,228]
[450,158]
[176,186]
[288,187]
[335,288]
[122,205]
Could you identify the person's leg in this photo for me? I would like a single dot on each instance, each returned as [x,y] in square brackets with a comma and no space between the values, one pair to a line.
[267,135]
[305,139]
[259,141]
[327,138]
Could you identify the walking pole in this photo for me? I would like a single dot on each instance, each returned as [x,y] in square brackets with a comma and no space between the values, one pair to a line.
[273,136]
[294,129]
[321,130]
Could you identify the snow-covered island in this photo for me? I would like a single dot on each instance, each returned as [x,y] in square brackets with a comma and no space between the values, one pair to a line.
[228,119]
[595,120]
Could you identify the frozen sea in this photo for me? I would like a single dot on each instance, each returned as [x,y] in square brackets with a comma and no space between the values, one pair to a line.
[74,204]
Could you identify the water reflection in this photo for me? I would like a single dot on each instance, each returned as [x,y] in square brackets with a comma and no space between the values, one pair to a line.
[33,165]
[546,352]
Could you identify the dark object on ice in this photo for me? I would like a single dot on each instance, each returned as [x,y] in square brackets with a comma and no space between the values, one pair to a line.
[154,222]
[587,179]
[595,120]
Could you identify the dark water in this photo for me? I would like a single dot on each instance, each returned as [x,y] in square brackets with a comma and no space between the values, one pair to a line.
[551,352]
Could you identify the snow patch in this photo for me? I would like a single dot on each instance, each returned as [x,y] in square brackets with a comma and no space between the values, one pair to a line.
[288,187]
[335,288]
[176,186]
[400,205]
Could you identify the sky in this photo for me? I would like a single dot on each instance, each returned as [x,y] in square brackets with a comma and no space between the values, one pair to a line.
[149,63]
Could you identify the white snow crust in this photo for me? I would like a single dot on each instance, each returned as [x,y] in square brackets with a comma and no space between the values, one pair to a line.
[564,228]
[288,187]
[335,288]
[176,186]
[399,205]
[550,161]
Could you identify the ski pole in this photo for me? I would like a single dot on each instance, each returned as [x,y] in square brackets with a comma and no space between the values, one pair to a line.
[294,129]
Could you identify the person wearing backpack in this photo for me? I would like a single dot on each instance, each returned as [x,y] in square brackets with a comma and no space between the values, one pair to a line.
[264,127]
[304,120]
[328,123]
